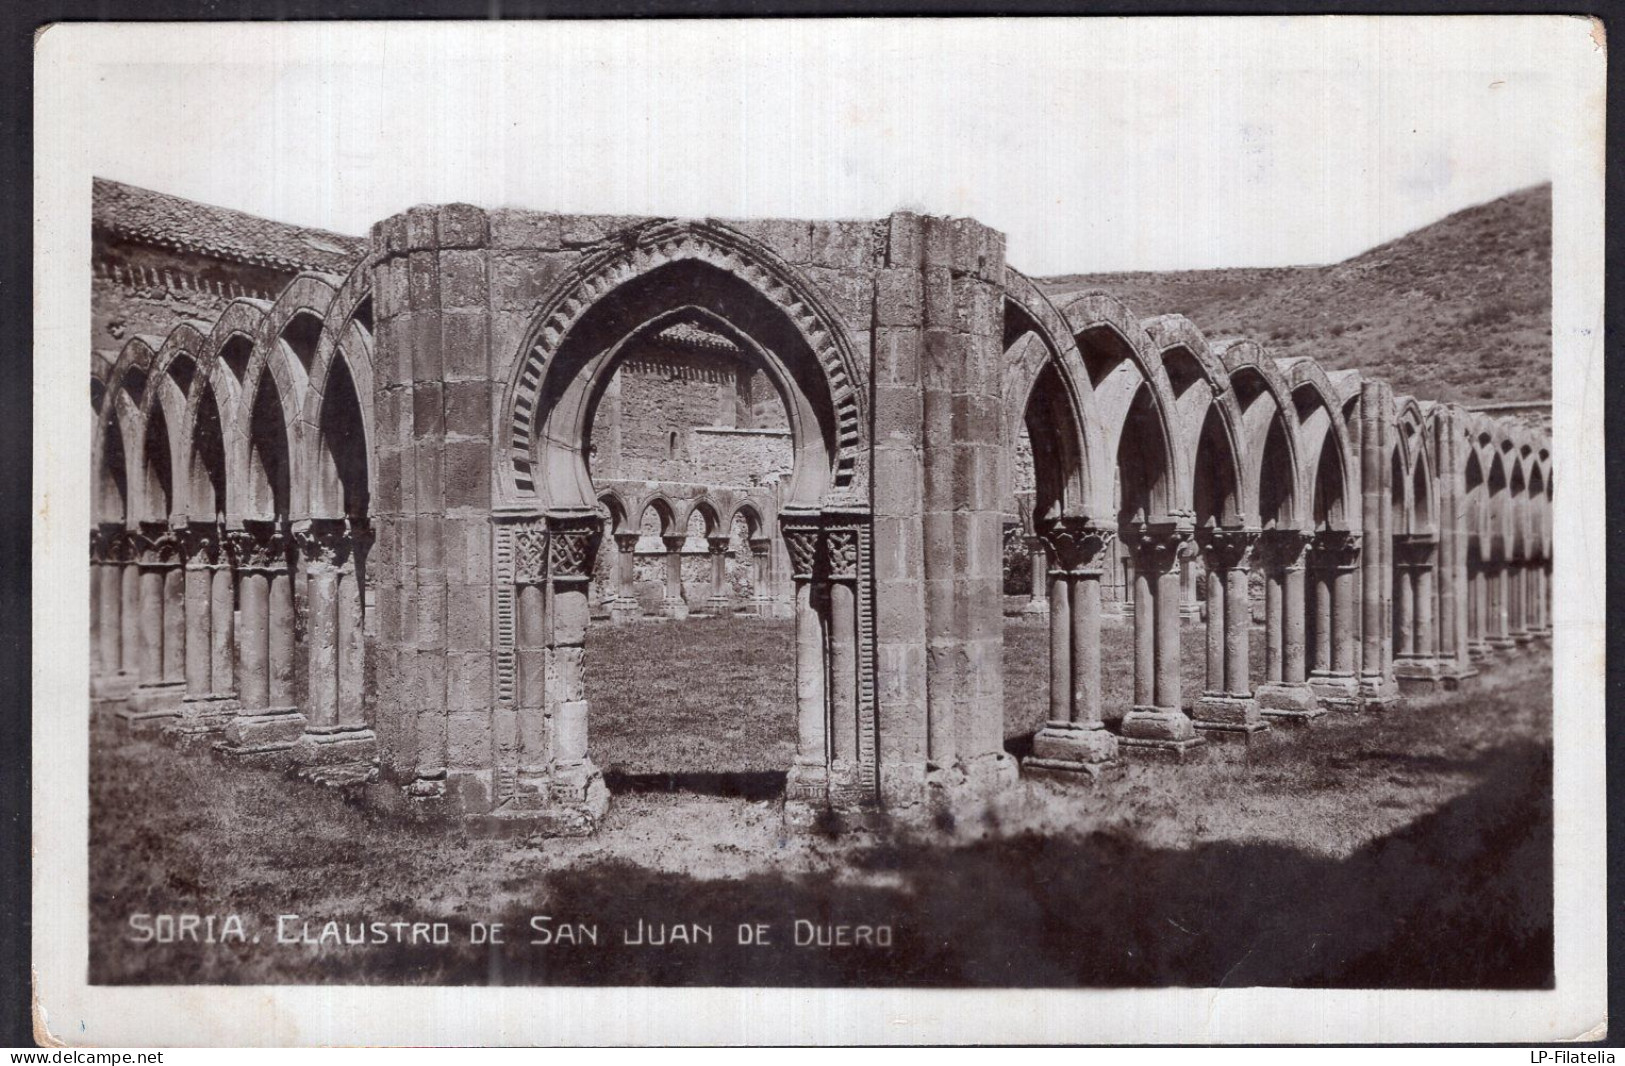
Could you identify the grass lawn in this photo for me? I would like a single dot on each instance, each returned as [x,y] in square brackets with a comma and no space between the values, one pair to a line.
[1410,849]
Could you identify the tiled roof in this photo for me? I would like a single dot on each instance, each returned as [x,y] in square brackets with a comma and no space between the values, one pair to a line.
[170,222]
[692,335]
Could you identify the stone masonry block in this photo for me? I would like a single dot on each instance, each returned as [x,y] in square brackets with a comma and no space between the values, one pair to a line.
[391,293]
[421,225]
[899,607]
[842,245]
[422,335]
[520,280]
[897,357]
[428,542]
[461,226]
[464,338]
[897,480]
[468,474]
[462,279]
[393,230]
[468,409]
[468,740]
[468,617]
[429,465]
[899,297]
[905,240]
[570,617]
[423,281]
[428,409]
[786,238]
[431,611]
[897,414]
[524,229]
[468,681]
[898,557]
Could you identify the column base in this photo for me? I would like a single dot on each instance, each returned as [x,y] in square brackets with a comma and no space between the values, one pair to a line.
[149,705]
[571,801]
[1336,692]
[1522,638]
[337,755]
[263,735]
[621,611]
[1497,644]
[1038,606]
[112,686]
[201,717]
[1224,716]
[1478,650]
[1158,732]
[1378,693]
[1420,675]
[674,609]
[717,607]
[1066,751]
[1288,701]
[806,795]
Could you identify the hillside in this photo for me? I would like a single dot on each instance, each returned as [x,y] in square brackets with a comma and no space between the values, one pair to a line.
[1458,310]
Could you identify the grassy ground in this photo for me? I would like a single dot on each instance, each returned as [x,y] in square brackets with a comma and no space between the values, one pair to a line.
[1411,849]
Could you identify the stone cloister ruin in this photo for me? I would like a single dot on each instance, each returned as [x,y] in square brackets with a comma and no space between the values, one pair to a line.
[352,522]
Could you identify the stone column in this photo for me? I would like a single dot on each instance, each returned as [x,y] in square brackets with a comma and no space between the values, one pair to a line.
[1517,601]
[624,607]
[675,605]
[1039,562]
[761,594]
[1478,610]
[1189,605]
[1336,554]
[840,561]
[532,756]
[808,781]
[1160,727]
[1375,685]
[222,625]
[1417,662]
[338,745]
[1074,741]
[1227,707]
[1454,589]
[577,791]
[206,708]
[130,612]
[161,671]
[112,553]
[267,723]
[720,604]
[1496,582]
[1290,698]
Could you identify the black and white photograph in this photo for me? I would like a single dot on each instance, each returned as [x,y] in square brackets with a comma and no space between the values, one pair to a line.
[1036,508]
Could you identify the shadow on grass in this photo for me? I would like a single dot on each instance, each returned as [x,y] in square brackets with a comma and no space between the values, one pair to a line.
[747,785]
[1460,898]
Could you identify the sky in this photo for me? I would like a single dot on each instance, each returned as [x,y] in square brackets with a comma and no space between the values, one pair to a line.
[1095,144]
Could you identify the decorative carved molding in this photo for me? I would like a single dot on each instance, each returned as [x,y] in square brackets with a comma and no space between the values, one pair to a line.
[1227,549]
[325,543]
[635,251]
[841,553]
[572,545]
[1336,548]
[801,541]
[157,547]
[1077,545]
[259,547]
[529,555]
[1284,548]
[1157,548]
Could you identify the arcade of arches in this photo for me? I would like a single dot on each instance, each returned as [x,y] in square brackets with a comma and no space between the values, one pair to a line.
[364,524]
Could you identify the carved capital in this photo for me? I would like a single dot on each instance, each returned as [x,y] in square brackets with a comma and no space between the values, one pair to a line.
[1157,548]
[760,545]
[674,543]
[841,553]
[717,545]
[801,541]
[157,547]
[1284,548]
[1227,549]
[1336,548]
[572,545]
[259,547]
[202,545]
[324,543]
[627,543]
[529,555]
[1414,549]
[1076,545]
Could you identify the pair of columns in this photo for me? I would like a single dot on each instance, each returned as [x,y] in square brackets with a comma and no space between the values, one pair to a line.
[828,769]
[1334,629]
[1495,607]
[115,614]
[1419,641]
[153,612]
[624,605]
